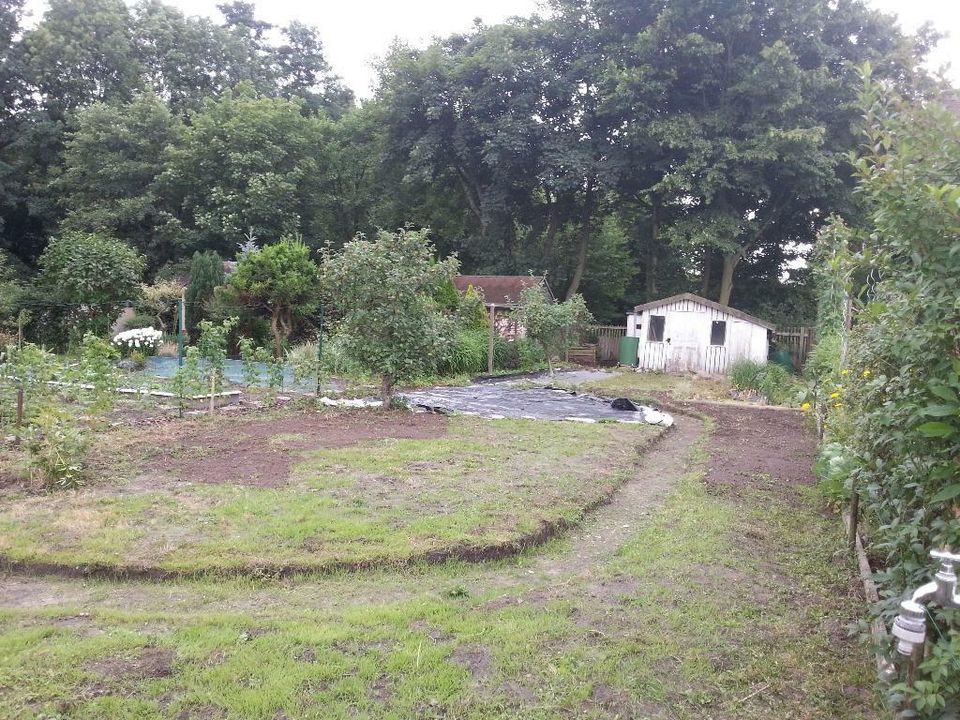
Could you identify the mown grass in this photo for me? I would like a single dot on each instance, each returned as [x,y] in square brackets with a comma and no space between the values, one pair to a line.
[644,386]
[375,502]
[723,605]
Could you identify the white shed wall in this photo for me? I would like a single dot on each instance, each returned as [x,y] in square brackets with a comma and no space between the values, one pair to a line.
[687,327]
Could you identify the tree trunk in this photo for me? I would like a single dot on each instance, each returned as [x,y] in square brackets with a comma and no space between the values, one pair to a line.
[472,193]
[585,228]
[707,274]
[730,262]
[553,224]
[386,390]
[280,326]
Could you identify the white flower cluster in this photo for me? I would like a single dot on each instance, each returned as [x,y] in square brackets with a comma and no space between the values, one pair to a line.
[146,338]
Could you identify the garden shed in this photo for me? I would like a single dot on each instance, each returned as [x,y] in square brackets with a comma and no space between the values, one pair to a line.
[690,333]
[501,296]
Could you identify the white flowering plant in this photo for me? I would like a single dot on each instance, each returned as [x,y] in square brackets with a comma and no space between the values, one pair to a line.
[144,340]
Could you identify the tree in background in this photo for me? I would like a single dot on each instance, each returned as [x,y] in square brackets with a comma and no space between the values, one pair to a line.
[281,280]
[85,280]
[247,163]
[206,274]
[555,326]
[11,290]
[108,183]
[383,290]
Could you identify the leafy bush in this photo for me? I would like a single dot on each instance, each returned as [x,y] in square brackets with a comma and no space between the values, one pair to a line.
[138,321]
[555,326]
[899,390]
[383,290]
[747,375]
[467,354]
[770,380]
[778,385]
[57,444]
[91,277]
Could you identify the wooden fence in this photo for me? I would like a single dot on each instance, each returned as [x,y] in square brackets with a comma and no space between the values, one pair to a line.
[798,341]
[607,340]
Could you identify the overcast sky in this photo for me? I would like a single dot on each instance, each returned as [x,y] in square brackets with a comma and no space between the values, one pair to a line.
[355,32]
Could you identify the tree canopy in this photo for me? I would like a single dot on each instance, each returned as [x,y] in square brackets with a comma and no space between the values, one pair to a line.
[629,150]
[389,321]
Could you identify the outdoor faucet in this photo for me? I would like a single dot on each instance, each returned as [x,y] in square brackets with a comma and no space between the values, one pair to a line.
[910,625]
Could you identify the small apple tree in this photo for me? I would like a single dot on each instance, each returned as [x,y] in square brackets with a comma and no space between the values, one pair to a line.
[552,325]
[383,290]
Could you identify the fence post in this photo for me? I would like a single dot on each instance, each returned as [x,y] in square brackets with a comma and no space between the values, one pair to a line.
[490,340]
[213,388]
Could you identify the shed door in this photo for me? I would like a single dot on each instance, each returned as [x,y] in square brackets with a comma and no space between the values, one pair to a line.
[684,335]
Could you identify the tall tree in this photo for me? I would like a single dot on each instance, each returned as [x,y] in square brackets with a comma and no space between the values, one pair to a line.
[752,103]
[82,51]
[108,183]
[248,163]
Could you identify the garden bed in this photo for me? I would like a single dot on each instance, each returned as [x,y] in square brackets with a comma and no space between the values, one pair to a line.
[285,492]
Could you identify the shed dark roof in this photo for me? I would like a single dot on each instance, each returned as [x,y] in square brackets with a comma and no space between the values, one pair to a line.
[709,303]
[501,290]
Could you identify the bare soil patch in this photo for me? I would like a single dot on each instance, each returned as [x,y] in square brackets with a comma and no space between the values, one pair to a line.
[476,659]
[259,453]
[751,445]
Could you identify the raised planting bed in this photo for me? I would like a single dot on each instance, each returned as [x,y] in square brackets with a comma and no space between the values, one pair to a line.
[285,492]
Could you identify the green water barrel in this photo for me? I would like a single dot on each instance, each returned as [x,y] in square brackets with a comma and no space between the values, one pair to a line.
[782,358]
[628,351]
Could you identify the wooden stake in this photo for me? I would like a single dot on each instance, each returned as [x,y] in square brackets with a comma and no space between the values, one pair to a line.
[490,340]
[213,389]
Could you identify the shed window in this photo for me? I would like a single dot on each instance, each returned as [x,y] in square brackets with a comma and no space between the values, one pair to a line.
[718,332]
[655,331]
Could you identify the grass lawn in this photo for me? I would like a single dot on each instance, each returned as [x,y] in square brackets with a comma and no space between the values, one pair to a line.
[728,601]
[624,382]
[318,490]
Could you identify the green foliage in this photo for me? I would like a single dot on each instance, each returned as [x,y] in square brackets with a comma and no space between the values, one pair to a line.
[188,380]
[280,280]
[898,391]
[467,354]
[85,280]
[139,320]
[97,368]
[206,274]
[57,444]
[471,314]
[160,301]
[11,290]
[383,291]
[770,380]
[248,163]
[212,350]
[53,434]
[555,326]
[112,159]
[31,368]
[303,362]
[747,375]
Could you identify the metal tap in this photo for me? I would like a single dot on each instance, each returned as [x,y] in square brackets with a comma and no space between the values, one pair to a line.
[909,627]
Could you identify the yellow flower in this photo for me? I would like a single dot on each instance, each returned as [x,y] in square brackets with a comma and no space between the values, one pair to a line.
[835,395]
[805,407]
[867,373]
[845,371]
